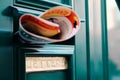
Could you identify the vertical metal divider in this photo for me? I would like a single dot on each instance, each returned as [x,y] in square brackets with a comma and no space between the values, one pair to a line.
[80,42]
[95,38]
[73,73]
[97,55]
[25,67]
[104,40]
[73,66]
[21,65]
[87,39]
[74,55]
[15,67]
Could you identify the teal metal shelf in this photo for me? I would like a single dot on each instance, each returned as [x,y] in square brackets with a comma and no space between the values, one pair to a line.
[49,50]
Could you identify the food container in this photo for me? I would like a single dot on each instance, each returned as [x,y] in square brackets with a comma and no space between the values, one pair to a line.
[54,25]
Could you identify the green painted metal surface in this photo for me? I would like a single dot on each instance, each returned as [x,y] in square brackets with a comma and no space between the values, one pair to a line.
[6,49]
[104,40]
[42,5]
[89,62]
[57,75]
[6,63]
[80,43]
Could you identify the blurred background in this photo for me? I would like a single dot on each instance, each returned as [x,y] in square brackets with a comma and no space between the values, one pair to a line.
[113,23]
